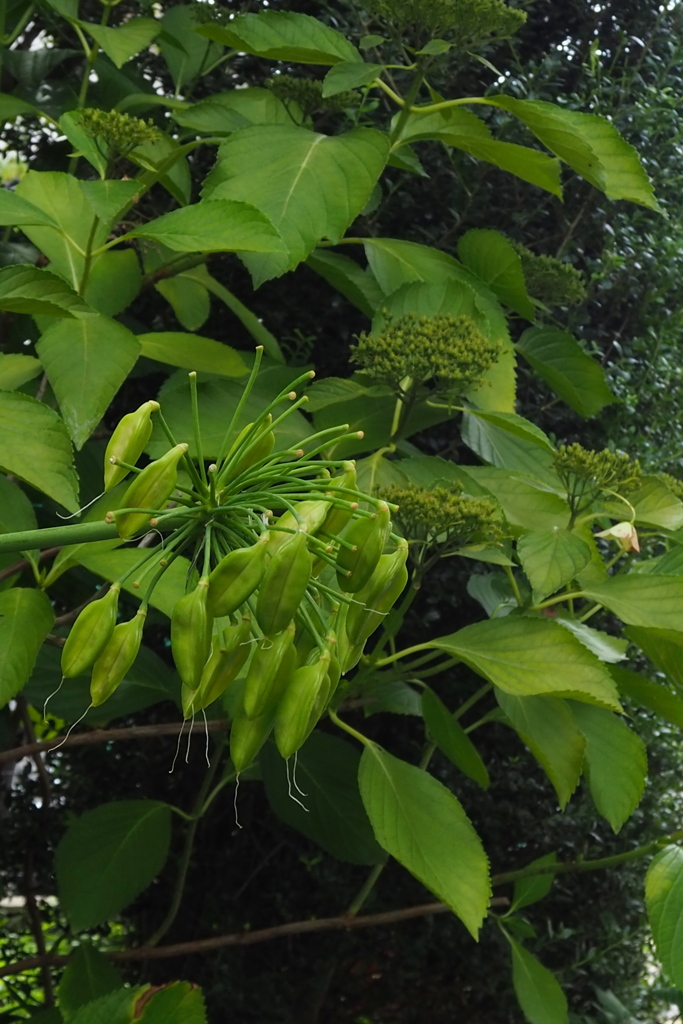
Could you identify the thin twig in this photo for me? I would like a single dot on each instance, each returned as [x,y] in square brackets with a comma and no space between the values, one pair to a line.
[36,924]
[43,774]
[23,563]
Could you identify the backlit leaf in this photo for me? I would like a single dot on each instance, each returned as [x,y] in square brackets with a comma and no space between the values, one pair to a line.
[26,617]
[664,901]
[35,446]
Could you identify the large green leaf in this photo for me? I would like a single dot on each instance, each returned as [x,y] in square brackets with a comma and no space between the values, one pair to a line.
[532,656]
[165,152]
[86,363]
[572,374]
[664,648]
[616,763]
[217,226]
[327,772]
[664,901]
[451,738]
[192,352]
[589,144]
[118,1007]
[189,299]
[538,991]
[26,617]
[356,283]
[88,976]
[35,446]
[283,35]
[114,281]
[551,558]
[349,75]
[547,727]
[109,198]
[495,443]
[606,647]
[16,369]
[650,695]
[525,504]
[656,505]
[27,289]
[178,1003]
[123,42]
[185,52]
[463,130]
[422,824]
[226,112]
[311,186]
[15,210]
[490,256]
[643,599]
[108,856]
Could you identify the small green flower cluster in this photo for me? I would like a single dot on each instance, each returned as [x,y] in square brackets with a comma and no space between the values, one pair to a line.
[449,351]
[308,93]
[588,474]
[121,133]
[674,485]
[549,280]
[444,517]
[467,23]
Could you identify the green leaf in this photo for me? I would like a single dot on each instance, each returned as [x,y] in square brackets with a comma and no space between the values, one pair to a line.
[465,131]
[517,426]
[532,656]
[490,256]
[650,695]
[12,107]
[16,511]
[27,289]
[656,505]
[664,902]
[193,353]
[227,112]
[502,447]
[452,740]
[607,648]
[547,727]
[88,976]
[16,369]
[109,198]
[560,361]
[643,600]
[86,363]
[217,226]
[422,824]
[616,763]
[15,210]
[26,617]
[349,75]
[118,1007]
[538,991]
[551,559]
[122,43]
[188,298]
[249,320]
[283,35]
[114,281]
[177,1003]
[71,124]
[311,186]
[185,52]
[327,771]
[333,390]
[108,856]
[357,284]
[589,144]
[664,648]
[525,505]
[35,446]
[535,888]
[168,154]
[392,696]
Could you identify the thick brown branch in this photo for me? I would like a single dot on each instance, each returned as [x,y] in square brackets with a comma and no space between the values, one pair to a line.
[89,739]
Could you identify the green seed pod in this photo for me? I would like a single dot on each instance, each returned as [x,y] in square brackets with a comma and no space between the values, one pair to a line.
[225,664]
[117,658]
[311,517]
[265,682]
[236,577]
[191,634]
[151,489]
[90,633]
[247,736]
[299,704]
[377,596]
[127,443]
[347,653]
[367,537]
[338,518]
[284,585]
[256,449]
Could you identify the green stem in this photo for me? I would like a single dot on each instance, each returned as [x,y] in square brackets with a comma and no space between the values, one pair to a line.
[91,54]
[401,654]
[407,106]
[365,889]
[78,533]
[474,699]
[557,600]
[513,583]
[88,256]
[349,729]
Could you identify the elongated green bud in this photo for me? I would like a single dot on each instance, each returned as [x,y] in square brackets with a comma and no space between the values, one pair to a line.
[311,517]
[338,518]
[377,596]
[367,537]
[300,706]
[150,490]
[265,682]
[258,447]
[284,585]
[247,736]
[191,634]
[90,633]
[236,577]
[117,658]
[224,665]
[127,443]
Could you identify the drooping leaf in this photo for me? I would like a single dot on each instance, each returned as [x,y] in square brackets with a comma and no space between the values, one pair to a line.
[226,112]
[26,289]
[643,600]
[664,648]
[358,285]
[192,352]
[349,75]
[616,763]
[452,739]
[189,300]
[123,42]
[283,35]
[530,657]
[26,617]
[551,558]
[538,991]
[606,647]
[217,226]
[496,444]
[327,771]
[177,1003]
[12,107]
[185,52]
[664,901]
[526,505]
[572,374]
[311,186]
[88,976]
[86,363]
[108,856]
[16,369]
[422,824]
[650,695]
[490,256]
[35,446]
[536,887]
[16,210]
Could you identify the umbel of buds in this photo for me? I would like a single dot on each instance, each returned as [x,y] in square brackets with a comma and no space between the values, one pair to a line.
[285,548]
